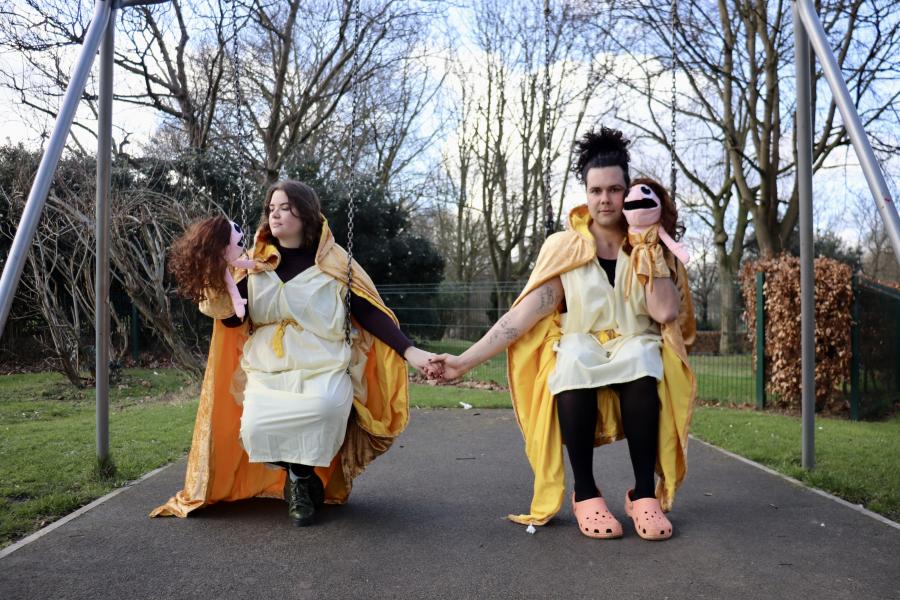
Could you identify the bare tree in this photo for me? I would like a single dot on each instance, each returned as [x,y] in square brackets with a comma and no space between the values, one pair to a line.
[173,56]
[303,61]
[143,226]
[878,260]
[520,101]
[703,275]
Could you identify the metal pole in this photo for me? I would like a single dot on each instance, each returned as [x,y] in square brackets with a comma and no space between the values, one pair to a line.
[12,271]
[807,273]
[854,351]
[101,281]
[760,341]
[874,177]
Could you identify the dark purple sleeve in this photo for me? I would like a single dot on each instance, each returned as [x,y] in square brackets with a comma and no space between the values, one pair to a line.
[378,324]
[234,320]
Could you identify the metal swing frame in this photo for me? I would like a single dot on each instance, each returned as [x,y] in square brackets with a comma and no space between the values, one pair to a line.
[808,32]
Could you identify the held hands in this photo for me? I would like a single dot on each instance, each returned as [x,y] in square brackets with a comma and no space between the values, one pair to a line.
[421,360]
[447,367]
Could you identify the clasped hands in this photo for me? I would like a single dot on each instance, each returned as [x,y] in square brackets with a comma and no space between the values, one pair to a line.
[436,367]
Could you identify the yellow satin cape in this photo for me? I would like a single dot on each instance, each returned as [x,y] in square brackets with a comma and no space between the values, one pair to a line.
[531,360]
[218,468]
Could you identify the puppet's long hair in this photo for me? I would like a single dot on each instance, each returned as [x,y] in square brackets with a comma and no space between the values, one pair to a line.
[196,259]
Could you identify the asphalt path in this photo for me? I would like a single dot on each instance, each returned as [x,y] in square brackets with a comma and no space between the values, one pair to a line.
[426,520]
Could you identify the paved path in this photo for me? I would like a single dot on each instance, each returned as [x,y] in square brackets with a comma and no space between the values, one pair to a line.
[426,521]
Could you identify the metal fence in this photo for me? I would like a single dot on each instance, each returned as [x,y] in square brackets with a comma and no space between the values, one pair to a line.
[449,317]
[875,350]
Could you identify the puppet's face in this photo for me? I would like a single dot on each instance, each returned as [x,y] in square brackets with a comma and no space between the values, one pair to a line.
[235,247]
[642,206]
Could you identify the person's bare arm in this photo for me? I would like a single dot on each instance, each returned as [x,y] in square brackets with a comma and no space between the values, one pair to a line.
[539,303]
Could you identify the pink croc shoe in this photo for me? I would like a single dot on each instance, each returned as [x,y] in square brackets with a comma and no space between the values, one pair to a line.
[595,520]
[649,520]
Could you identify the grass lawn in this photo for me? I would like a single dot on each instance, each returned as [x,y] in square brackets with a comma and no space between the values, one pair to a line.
[858,461]
[47,452]
[47,441]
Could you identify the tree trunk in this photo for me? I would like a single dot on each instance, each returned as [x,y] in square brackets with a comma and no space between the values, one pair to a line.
[729,340]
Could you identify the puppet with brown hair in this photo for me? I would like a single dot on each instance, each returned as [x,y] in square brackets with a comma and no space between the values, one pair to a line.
[201,261]
[292,404]
[652,220]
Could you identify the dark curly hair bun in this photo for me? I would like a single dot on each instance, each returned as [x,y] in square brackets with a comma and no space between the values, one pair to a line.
[606,148]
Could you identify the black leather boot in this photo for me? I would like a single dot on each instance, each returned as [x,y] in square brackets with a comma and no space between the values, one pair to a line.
[316,491]
[300,506]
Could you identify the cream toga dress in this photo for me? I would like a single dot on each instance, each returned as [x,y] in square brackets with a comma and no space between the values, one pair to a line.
[298,393]
[606,339]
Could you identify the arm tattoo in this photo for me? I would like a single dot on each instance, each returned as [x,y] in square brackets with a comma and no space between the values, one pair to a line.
[503,330]
[547,297]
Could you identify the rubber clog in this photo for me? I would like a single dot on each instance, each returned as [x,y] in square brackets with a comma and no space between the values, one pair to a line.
[650,522]
[595,520]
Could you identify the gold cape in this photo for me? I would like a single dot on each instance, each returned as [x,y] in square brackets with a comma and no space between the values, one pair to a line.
[218,468]
[531,360]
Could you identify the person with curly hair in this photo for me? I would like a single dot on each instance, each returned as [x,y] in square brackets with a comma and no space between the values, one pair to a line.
[596,354]
[307,401]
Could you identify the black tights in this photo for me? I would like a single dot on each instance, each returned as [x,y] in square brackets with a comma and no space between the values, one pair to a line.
[639,405]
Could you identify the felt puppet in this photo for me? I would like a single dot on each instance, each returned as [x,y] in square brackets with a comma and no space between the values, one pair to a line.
[203,258]
[643,209]
[233,253]
[646,213]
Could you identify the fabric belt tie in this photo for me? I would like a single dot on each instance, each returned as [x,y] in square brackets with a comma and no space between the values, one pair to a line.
[278,338]
[606,335]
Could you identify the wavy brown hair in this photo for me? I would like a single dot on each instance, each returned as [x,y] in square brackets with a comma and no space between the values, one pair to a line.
[305,206]
[668,219]
[196,259]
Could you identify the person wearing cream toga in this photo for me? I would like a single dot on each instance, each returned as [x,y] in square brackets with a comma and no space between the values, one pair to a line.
[597,352]
[309,403]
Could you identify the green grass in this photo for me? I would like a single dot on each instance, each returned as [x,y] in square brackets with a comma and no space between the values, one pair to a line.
[47,441]
[48,458]
[449,396]
[857,461]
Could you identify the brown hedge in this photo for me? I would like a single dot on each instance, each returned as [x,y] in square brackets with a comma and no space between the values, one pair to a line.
[834,297]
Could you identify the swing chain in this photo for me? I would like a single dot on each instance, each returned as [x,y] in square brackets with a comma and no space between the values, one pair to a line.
[672,139]
[351,188]
[236,67]
[548,205]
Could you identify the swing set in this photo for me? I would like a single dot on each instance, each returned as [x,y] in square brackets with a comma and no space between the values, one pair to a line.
[808,35]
